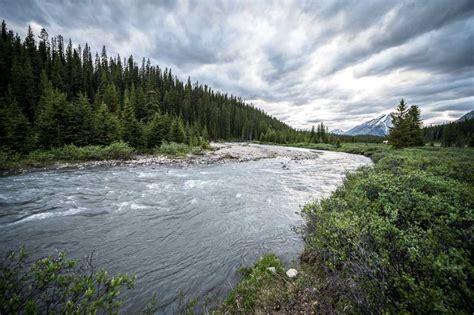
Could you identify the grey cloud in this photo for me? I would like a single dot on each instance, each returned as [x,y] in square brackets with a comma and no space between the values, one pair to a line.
[461,107]
[408,20]
[449,50]
[274,52]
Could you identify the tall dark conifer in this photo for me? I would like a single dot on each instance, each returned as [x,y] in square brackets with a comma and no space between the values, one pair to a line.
[62,79]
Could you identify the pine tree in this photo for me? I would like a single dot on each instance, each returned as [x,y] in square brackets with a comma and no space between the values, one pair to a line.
[152,105]
[312,136]
[79,123]
[399,135]
[177,132]
[15,130]
[130,128]
[415,131]
[110,98]
[106,126]
[156,131]
[51,123]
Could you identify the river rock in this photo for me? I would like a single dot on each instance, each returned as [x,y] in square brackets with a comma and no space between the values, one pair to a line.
[291,273]
[272,269]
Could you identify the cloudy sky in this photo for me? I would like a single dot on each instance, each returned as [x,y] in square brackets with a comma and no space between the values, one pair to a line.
[341,62]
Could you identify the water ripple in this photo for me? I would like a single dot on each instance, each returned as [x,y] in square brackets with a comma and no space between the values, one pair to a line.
[176,228]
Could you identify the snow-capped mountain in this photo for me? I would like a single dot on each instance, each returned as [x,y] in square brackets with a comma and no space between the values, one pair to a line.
[376,127]
[337,131]
[467,116]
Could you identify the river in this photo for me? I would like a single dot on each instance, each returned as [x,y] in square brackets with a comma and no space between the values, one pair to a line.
[177,228]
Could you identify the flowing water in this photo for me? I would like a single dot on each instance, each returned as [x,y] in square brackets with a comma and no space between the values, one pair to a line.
[180,230]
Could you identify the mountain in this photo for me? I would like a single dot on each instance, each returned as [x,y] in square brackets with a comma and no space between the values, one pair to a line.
[375,127]
[467,116]
[337,131]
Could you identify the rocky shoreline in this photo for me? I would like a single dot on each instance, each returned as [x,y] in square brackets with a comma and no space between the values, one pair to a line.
[220,153]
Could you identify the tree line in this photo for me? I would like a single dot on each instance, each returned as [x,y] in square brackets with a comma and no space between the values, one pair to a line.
[459,134]
[53,93]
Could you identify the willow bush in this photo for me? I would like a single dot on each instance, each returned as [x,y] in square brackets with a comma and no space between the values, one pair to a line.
[398,237]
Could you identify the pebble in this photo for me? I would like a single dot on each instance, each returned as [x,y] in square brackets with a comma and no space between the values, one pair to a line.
[291,273]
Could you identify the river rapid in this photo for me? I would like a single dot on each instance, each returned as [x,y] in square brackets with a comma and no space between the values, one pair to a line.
[177,228]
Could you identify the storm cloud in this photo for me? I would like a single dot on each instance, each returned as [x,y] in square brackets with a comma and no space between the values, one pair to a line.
[341,62]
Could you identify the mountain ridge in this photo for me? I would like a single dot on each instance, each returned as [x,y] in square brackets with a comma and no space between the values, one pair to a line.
[467,116]
[379,126]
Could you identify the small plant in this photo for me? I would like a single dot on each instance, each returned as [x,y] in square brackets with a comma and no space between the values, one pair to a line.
[58,285]
[259,288]
[178,149]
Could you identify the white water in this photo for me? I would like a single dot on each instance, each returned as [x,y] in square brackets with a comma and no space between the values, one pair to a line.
[177,228]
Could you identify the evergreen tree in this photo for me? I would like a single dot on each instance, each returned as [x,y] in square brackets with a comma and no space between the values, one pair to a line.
[156,132]
[130,127]
[110,98]
[152,104]
[177,133]
[79,122]
[15,132]
[415,131]
[106,126]
[51,124]
[399,135]
[406,130]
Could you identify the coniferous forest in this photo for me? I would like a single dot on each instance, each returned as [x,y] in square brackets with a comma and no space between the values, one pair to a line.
[458,133]
[53,94]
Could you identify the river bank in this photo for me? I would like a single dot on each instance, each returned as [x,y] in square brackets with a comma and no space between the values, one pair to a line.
[219,152]
[394,238]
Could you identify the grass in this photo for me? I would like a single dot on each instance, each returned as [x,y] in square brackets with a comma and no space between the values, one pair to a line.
[70,153]
[395,238]
[371,150]
[178,149]
[259,289]
[67,153]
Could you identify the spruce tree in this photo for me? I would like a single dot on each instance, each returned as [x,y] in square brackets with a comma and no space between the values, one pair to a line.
[15,130]
[51,123]
[106,126]
[79,122]
[415,131]
[399,135]
[130,127]
[312,135]
[156,131]
[152,105]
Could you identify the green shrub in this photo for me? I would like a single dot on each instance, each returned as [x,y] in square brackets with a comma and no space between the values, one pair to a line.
[178,149]
[115,150]
[398,237]
[118,150]
[259,288]
[58,285]
[8,158]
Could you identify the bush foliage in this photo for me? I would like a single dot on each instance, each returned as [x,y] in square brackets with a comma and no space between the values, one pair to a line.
[116,150]
[178,149]
[257,288]
[58,285]
[395,238]
[398,237]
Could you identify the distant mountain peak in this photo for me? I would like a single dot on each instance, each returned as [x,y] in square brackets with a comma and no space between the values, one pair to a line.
[379,126]
[337,131]
[467,116]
